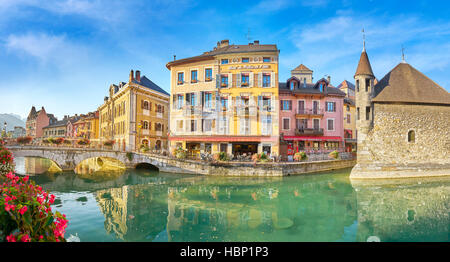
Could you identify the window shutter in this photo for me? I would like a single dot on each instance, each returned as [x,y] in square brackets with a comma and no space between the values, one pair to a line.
[238,80]
[217,81]
[242,126]
[272,79]
[251,78]
[142,104]
[260,105]
[260,80]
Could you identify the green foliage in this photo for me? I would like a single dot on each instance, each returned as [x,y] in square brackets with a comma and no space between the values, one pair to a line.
[6,161]
[300,156]
[180,153]
[109,142]
[83,141]
[145,148]
[130,156]
[334,154]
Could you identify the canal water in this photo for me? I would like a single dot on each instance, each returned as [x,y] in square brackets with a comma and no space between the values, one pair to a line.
[145,205]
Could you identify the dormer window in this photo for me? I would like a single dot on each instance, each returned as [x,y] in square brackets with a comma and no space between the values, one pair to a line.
[245,60]
[224,61]
[266,59]
[292,85]
[321,87]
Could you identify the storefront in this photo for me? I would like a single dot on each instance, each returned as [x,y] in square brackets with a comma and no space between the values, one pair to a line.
[310,144]
[247,148]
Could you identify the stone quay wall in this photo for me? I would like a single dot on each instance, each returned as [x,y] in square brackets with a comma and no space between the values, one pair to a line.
[386,152]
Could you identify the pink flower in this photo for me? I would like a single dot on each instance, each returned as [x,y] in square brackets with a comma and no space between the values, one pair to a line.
[41,237]
[40,200]
[11,238]
[52,199]
[23,210]
[25,179]
[25,238]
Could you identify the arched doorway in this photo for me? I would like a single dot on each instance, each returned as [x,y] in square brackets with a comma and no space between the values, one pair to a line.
[158,145]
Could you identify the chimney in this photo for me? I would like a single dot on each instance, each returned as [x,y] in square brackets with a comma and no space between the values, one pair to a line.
[256,42]
[131,76]
[174,57]
[224,43]
[329,80]
[138,75]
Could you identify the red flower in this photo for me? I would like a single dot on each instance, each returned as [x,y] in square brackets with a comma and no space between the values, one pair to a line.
[11,238]
[23,210]
[25,238]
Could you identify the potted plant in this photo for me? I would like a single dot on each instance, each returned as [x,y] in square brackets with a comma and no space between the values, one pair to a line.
[223,84]
[334,154]
[109,143]
[83,142]
[299,156]
[24,140]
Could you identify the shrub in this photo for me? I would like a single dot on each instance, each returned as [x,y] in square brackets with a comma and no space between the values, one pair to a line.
[6,161]
[299,156]
[145,148]
[262,157]
[83,141]
[129,156]
[222,156]
[25,212]
[57,141]
[45,141]
[180,153]
[24,139]
[334,154]
[109,142]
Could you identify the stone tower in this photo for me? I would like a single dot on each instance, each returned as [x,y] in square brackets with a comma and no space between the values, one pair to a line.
[364,79]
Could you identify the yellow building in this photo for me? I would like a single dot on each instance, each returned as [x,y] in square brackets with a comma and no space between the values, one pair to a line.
[87,126]
[349,115]
[225,100]
[135,115]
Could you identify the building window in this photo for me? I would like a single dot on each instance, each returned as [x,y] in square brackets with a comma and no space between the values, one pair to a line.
[207,125]
[411,136]
[330,124]
[286,105]
[224,81]
[316,123]
[146,107]
[266,59]
[179,125]
[357,113]
[180,101]
[224,61]
[180,78]
[208,74]
[208,100]
[348,119]
[266,125]
[266,80]
[331,106]
[348,108]
[367,84]
[245,60]
[357,85]
[193,125]
[145,126]
[245,79]
[286,123]
[367,112]
[224,103]
[194,76]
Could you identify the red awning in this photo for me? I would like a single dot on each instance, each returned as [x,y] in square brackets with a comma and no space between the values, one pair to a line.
[313,138]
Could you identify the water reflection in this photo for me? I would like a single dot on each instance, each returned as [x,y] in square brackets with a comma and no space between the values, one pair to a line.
[139,205]
[95,165]
[35,165]
[403,210]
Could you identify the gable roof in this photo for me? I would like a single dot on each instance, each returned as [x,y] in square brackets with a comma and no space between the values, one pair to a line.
[301,67]
[404,83]
[364,67]
[149,84]
[310,89]
[346,84]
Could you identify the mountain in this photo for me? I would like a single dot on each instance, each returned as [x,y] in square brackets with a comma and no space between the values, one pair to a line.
[12,120]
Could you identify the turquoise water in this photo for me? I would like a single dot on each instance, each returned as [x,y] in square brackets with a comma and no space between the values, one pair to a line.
[137,205]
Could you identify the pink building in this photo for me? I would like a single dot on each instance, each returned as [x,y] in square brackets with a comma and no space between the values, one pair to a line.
[311,117]
[36,121]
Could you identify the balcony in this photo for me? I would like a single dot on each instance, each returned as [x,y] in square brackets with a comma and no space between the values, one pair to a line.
[159,115]
[309,132]
[158,133]
[192,111]
[246,110]
[302,112]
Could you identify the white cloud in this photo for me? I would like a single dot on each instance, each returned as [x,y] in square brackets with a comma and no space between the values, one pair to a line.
[47,49]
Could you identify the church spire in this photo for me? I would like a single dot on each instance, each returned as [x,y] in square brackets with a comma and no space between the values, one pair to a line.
[364,41]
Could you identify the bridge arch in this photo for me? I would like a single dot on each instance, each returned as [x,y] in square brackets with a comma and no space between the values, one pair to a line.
[146,166]
[38,154]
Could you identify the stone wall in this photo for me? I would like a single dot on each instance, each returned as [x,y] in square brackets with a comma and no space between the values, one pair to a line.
[386,151]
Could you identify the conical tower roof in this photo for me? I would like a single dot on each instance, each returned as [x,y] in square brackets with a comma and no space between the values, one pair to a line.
[301,67]
[364,67]
[406,84]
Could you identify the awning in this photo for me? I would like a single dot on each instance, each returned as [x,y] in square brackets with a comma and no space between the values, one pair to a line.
[312,138]
[224,138]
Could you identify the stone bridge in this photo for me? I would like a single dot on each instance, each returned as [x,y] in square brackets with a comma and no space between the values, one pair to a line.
[68,158]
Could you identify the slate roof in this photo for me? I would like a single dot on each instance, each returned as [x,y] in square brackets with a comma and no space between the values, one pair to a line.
[364,67]
[149,84]
[349,101]
[229,49]
[346,83]
[406,84]
[309,89]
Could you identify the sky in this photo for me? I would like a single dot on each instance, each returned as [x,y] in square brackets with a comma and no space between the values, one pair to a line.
[64,54]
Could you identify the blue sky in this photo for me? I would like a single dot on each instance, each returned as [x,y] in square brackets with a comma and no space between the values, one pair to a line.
[64,54]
